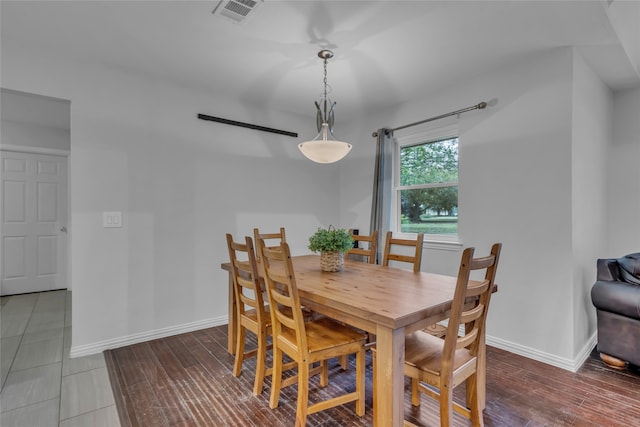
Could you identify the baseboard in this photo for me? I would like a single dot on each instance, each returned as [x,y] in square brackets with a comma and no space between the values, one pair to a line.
[99,347]
[550,359]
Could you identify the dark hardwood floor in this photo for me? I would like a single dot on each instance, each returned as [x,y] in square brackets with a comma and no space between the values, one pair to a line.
[187,380]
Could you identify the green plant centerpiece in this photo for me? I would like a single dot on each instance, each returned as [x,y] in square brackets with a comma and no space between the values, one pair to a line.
[332,243]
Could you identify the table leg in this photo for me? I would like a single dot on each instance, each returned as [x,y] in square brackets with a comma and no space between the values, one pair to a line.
[388,397]
[233,322]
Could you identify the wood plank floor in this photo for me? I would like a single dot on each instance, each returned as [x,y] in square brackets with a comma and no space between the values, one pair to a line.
[187,380]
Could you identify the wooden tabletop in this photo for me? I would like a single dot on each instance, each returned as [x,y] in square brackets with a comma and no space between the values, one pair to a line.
[378,295]
[390,297]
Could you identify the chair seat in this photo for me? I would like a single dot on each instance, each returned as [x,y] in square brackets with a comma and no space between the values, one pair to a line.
[325,333]
[424,351]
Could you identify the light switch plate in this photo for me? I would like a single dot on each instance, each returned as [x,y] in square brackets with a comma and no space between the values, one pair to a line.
[111,219]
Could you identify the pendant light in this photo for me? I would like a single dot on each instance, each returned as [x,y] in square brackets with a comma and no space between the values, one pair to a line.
[324,148]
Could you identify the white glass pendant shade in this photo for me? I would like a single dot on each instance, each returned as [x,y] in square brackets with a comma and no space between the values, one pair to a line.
[324,148]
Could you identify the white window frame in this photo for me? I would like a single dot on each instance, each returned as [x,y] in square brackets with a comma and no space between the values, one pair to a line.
[418,136]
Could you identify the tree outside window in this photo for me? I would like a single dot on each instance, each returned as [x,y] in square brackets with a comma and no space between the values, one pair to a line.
[427,188]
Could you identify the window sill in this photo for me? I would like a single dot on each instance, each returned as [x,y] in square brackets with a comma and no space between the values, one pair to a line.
[442,245]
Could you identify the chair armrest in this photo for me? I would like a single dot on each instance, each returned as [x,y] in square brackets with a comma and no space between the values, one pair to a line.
[617,297]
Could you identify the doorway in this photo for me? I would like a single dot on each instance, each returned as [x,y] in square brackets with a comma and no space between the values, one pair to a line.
[34,201]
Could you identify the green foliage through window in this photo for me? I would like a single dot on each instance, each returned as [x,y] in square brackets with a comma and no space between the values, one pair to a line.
[428,191]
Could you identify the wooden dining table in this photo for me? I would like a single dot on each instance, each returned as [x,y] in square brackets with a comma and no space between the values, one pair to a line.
[388,302]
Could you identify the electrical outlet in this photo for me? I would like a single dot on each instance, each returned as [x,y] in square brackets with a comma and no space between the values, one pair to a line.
[112,219]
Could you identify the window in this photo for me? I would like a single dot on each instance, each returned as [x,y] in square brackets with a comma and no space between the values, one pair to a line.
[426,184]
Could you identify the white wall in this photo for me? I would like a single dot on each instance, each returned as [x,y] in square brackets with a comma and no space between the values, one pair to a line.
[624,184]
[592,136]
[515,187]
[181,184]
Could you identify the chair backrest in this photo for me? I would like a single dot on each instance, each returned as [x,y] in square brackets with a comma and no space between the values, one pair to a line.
[269,237]
[391,244]
[287,320]
[474,317]
[246,278]
[371,242]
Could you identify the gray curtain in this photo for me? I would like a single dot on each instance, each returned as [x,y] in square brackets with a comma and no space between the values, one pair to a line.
[382,186]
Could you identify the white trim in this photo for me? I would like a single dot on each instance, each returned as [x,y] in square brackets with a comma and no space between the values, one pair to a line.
[35,150]
[550,359]
[99,347]
[442,245]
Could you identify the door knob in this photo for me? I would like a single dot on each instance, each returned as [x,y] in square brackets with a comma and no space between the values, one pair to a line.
[63,229]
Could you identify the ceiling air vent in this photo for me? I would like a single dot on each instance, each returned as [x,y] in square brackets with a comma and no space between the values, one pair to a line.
[236,10]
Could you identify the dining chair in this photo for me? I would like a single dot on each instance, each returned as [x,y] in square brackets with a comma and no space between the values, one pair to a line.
[369,252]
[252,314]
[306,343]
[444,363]
[371,243]
[392,244]
[280,237]
[269,237]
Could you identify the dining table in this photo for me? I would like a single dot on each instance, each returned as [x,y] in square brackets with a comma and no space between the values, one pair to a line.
[385,301]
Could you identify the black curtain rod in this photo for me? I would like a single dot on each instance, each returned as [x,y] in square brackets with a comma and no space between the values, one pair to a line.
[479,106]
[246,125]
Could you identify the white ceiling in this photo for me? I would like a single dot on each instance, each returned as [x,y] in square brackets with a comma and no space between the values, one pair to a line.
[385,51]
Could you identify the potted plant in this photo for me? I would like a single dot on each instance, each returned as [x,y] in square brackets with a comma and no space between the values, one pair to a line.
[332,243]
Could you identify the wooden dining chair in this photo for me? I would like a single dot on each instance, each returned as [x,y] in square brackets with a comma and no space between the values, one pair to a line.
[272,240]
[306,343]
[371,243]
[252,314]
[444,363]
[392,244]
[369,252]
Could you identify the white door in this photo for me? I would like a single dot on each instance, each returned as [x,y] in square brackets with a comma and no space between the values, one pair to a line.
[34,221]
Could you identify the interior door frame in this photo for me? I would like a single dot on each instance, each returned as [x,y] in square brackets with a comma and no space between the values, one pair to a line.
[52,152]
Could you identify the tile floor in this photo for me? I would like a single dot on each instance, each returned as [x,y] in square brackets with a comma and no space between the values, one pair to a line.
[41,385]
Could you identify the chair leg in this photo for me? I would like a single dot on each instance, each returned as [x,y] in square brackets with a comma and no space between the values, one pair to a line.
[476,413]
[375,384]
[415,392]
[303,394]
[276,377]
[324,373]
[237,366]
[261,357]
[344,362]
[446,405]
[360,379]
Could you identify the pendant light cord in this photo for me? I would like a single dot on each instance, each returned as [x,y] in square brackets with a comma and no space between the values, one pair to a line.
[324,117]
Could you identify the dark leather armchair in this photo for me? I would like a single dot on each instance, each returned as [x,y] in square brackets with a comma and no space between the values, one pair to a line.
[616,296]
